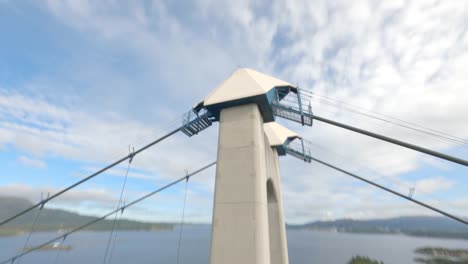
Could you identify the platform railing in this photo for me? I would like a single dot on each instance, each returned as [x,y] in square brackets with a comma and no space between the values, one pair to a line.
[194,122]
[293,107]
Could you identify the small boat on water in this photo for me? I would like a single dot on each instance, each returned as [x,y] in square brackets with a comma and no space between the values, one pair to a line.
[54,246]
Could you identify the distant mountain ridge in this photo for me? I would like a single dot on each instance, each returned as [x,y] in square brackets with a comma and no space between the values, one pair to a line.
[410,225]
[54,219]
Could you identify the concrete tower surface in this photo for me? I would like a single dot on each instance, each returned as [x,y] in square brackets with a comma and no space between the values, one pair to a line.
[248,221]
[278,137]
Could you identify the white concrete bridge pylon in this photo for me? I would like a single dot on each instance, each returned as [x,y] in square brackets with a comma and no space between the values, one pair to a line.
[248,219]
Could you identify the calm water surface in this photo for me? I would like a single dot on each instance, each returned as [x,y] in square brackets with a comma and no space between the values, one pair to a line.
[161,247]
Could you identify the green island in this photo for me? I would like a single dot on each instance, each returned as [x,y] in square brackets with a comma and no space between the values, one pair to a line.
[419,226]
[54,246]
[437,255]
[364,260]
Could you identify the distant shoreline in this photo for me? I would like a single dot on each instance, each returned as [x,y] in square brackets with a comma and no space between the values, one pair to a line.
[165,227]
[19,231]
[416,226]
[410,234]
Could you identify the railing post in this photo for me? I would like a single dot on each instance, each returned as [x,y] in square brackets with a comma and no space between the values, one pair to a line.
[299,101]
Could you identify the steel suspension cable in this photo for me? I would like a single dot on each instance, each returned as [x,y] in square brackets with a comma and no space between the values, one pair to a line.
[30,232]
[131,155]
[59,250]
[111,254]
[394,141]
[384,117]
[448,138]
[182,221]
[360,165]
[398,184]
[116,214]
[430,207]
[76,229]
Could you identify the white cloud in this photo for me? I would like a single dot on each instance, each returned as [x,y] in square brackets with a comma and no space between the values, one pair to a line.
[101,138]
[121,171]
[406,59]
[432,185]
[71,199]
[32,162]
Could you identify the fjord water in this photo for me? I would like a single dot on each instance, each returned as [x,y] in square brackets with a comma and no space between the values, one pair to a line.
[161,247]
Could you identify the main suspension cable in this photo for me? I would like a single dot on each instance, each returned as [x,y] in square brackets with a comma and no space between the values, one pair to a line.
[385,118]
[394,141]
[360,165]
[76,229]
[129,156]
[392,191]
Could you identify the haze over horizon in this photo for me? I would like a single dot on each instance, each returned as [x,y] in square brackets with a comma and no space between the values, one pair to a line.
[81,81]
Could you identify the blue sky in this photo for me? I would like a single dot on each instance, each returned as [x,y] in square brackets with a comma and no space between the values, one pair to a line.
[80,81]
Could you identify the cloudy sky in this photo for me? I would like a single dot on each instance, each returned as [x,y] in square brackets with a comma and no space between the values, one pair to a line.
[81,81]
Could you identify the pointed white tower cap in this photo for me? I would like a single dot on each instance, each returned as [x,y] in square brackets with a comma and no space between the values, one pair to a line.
[246,86]
[279,136]
[244,83]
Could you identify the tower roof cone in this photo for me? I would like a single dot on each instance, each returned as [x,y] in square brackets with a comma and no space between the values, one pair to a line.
[247,86]
[279,136]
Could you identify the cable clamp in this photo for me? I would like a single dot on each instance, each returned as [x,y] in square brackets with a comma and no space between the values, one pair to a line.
[411,192]
[44,201]
[187,176]
[122,208]
[131,154]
